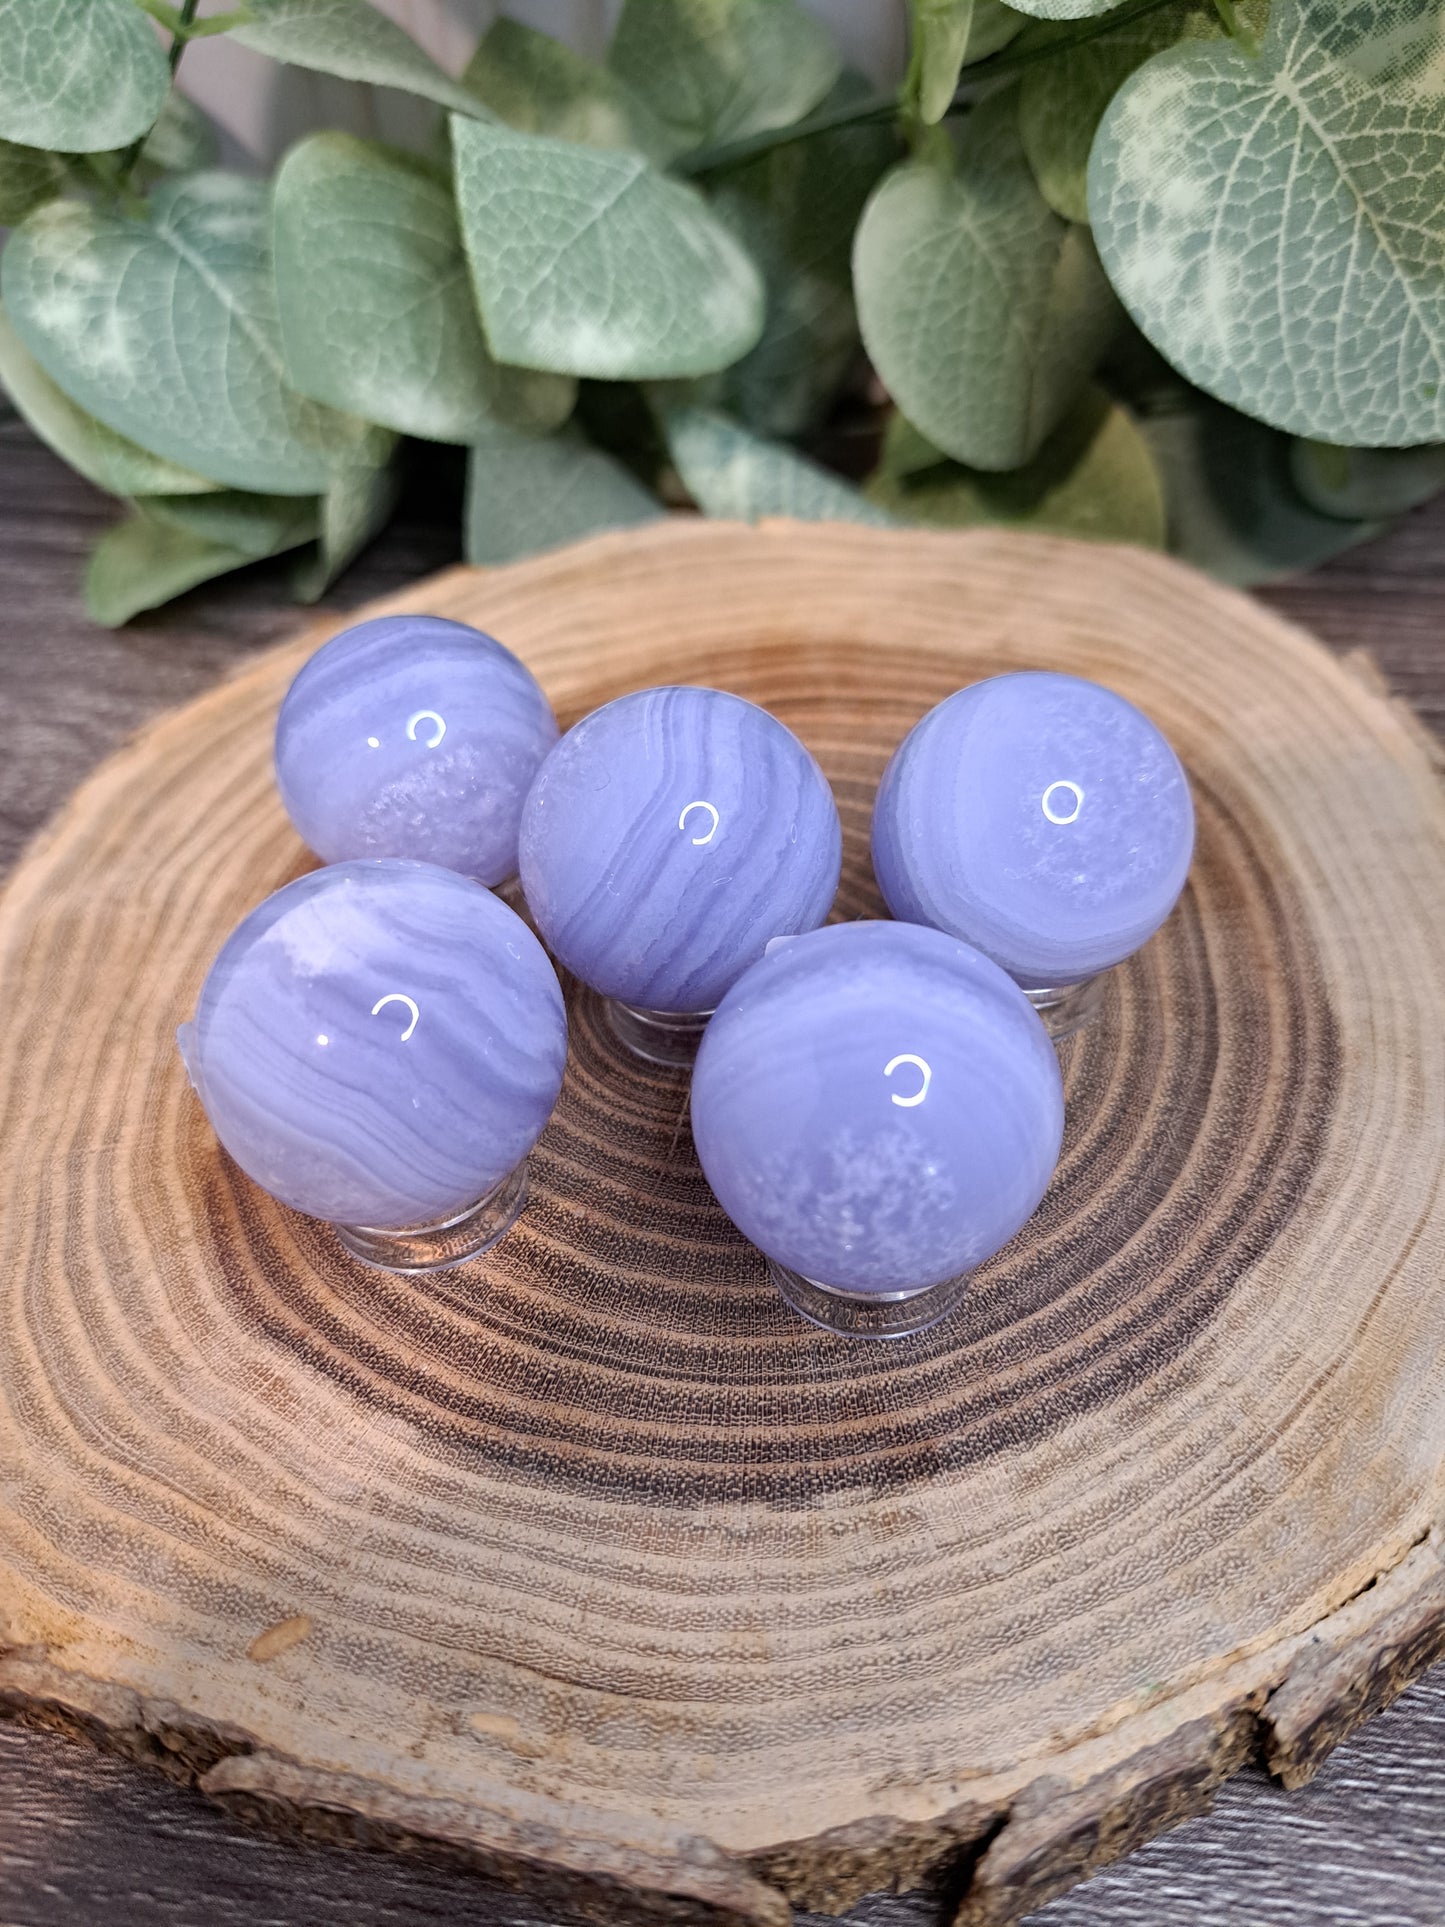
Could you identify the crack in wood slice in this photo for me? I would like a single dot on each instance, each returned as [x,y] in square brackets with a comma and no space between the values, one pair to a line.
[594,1566]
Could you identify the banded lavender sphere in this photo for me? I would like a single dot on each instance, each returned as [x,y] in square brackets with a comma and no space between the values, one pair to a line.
[878,1108]
[1041,818]
[668,837]
[379,1043]
[412,736]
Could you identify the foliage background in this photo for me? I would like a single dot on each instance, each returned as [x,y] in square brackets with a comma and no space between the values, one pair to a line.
[1166,271]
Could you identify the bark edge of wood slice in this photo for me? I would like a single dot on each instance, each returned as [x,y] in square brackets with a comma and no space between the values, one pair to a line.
[592,1566]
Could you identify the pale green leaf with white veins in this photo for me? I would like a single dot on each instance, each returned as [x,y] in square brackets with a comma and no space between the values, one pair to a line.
[78,75]
[539,86]
[350,39]
[983,312]
[1094,477]
[1276,225]
[730,472]
[166,329]
[109,460]
[1064,9]
[529,493]
[375,298]
[1062,98]
[714,71]
[591,263]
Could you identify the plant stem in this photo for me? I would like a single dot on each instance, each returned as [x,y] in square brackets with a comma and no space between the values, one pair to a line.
[173,55]
[1008,60]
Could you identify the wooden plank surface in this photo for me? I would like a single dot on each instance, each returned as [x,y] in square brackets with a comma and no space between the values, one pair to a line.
[84,1839]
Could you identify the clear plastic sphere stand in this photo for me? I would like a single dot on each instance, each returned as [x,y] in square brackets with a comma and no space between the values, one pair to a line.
[1069,1007]
[869,1314]
[414,1249]
[665,1037]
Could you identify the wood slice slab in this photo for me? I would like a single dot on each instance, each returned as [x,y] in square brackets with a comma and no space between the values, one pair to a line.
[591,1563]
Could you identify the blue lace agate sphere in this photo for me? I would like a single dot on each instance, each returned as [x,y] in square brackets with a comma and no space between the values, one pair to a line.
[668,837]
[379,1043]
[411,736]
[877,1106]
[1041,818]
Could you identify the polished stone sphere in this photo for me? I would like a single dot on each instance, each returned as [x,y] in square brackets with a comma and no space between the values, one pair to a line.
[877,1107]
[1041,818]
[412,736]
[379,1043]
[668,837]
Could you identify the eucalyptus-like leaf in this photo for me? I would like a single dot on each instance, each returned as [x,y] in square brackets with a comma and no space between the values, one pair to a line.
[1275,223]
[111,461]
[233,518]
[165,329]
[182,140]
[795,209]
[718,70]
[526,493]
[1064,9]
[983,312]
[1233,507]
[375,297]
[540,86]
[142,562]
[1093,477]
[355,508]
[78,75]
[992,27]
[1062,98]
[731,472]
[351,39]
[28,178]
[941,31]
[592,263]
[1360,484]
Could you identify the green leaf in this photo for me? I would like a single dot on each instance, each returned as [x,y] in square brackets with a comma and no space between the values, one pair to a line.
[354,509]
[353,40]
[1362,483]
[1274,223]
[993,26]
[252,525]
[92,450]
[1063,98]
[1093,477]
[1233,509]
[731,472]
[718,70]
[165,328]
[1064,9]
[375,298]
[182,140]
[590,263]
[941,31]
[539,86]
[78,75]
[170,544]
[795,210]
[983,312]
[28,178]
[527,493]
